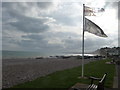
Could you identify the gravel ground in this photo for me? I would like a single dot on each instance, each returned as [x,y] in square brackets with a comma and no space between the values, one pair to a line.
[16,71]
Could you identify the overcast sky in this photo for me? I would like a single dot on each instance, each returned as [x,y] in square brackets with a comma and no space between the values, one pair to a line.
[56,26]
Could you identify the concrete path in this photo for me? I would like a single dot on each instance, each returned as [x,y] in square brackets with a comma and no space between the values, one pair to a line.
[118,76]
[115,83]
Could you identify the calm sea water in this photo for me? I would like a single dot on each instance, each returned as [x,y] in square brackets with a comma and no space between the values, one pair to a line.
[26,54]
[22,54]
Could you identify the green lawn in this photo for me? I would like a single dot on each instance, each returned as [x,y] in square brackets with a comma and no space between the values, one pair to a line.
[67,78]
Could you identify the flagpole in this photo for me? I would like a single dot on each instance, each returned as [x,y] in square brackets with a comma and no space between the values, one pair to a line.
[83,41]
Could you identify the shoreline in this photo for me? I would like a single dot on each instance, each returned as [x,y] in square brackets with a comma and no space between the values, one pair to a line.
[27,54]
[16,71]
[52,56]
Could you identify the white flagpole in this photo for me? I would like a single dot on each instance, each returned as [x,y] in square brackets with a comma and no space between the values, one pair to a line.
[83,40]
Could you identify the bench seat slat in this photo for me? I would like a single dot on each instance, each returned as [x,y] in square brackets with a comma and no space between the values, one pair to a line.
[92,87]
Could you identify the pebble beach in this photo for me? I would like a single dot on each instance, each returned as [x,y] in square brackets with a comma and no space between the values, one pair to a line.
[16,71]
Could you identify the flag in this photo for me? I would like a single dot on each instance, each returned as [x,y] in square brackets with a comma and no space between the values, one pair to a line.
[93,28]
[89,11]
[100,10]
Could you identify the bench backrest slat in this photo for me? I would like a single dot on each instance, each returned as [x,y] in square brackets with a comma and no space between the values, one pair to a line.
[103,79]
[101,82]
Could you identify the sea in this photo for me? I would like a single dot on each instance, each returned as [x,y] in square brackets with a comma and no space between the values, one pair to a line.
[29,54]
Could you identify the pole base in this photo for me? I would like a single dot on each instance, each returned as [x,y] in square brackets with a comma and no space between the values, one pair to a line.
[82,77]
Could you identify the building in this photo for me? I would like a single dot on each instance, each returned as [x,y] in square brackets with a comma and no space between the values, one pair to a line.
[115,51]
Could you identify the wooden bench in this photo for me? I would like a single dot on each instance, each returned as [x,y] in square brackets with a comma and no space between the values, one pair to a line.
[100,85]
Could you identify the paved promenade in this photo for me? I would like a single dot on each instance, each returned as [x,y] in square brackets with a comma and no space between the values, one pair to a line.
[119,77]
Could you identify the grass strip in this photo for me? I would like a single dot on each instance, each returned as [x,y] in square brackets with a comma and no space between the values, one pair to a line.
[68,77]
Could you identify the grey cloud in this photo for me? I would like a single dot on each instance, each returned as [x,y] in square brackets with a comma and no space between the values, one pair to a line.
[30,25]
[32,45]
[71,41]
[67,20]
[40,5]
[41,41]
[119,23]
[73,45]
[34,36]
[92,45]
[27,43]
[14,18]
[61,34]
[119,11]
[113,5]
[37,32]
[22,23]
[44,5]
[39,45]
[24,6]
[66,15]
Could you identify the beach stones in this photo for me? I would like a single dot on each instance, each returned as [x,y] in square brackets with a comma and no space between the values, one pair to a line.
[16,71]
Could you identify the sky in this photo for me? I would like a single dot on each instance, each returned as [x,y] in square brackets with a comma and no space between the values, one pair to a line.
[56,26]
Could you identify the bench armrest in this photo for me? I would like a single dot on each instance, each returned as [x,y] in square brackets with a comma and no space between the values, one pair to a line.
[94,78]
